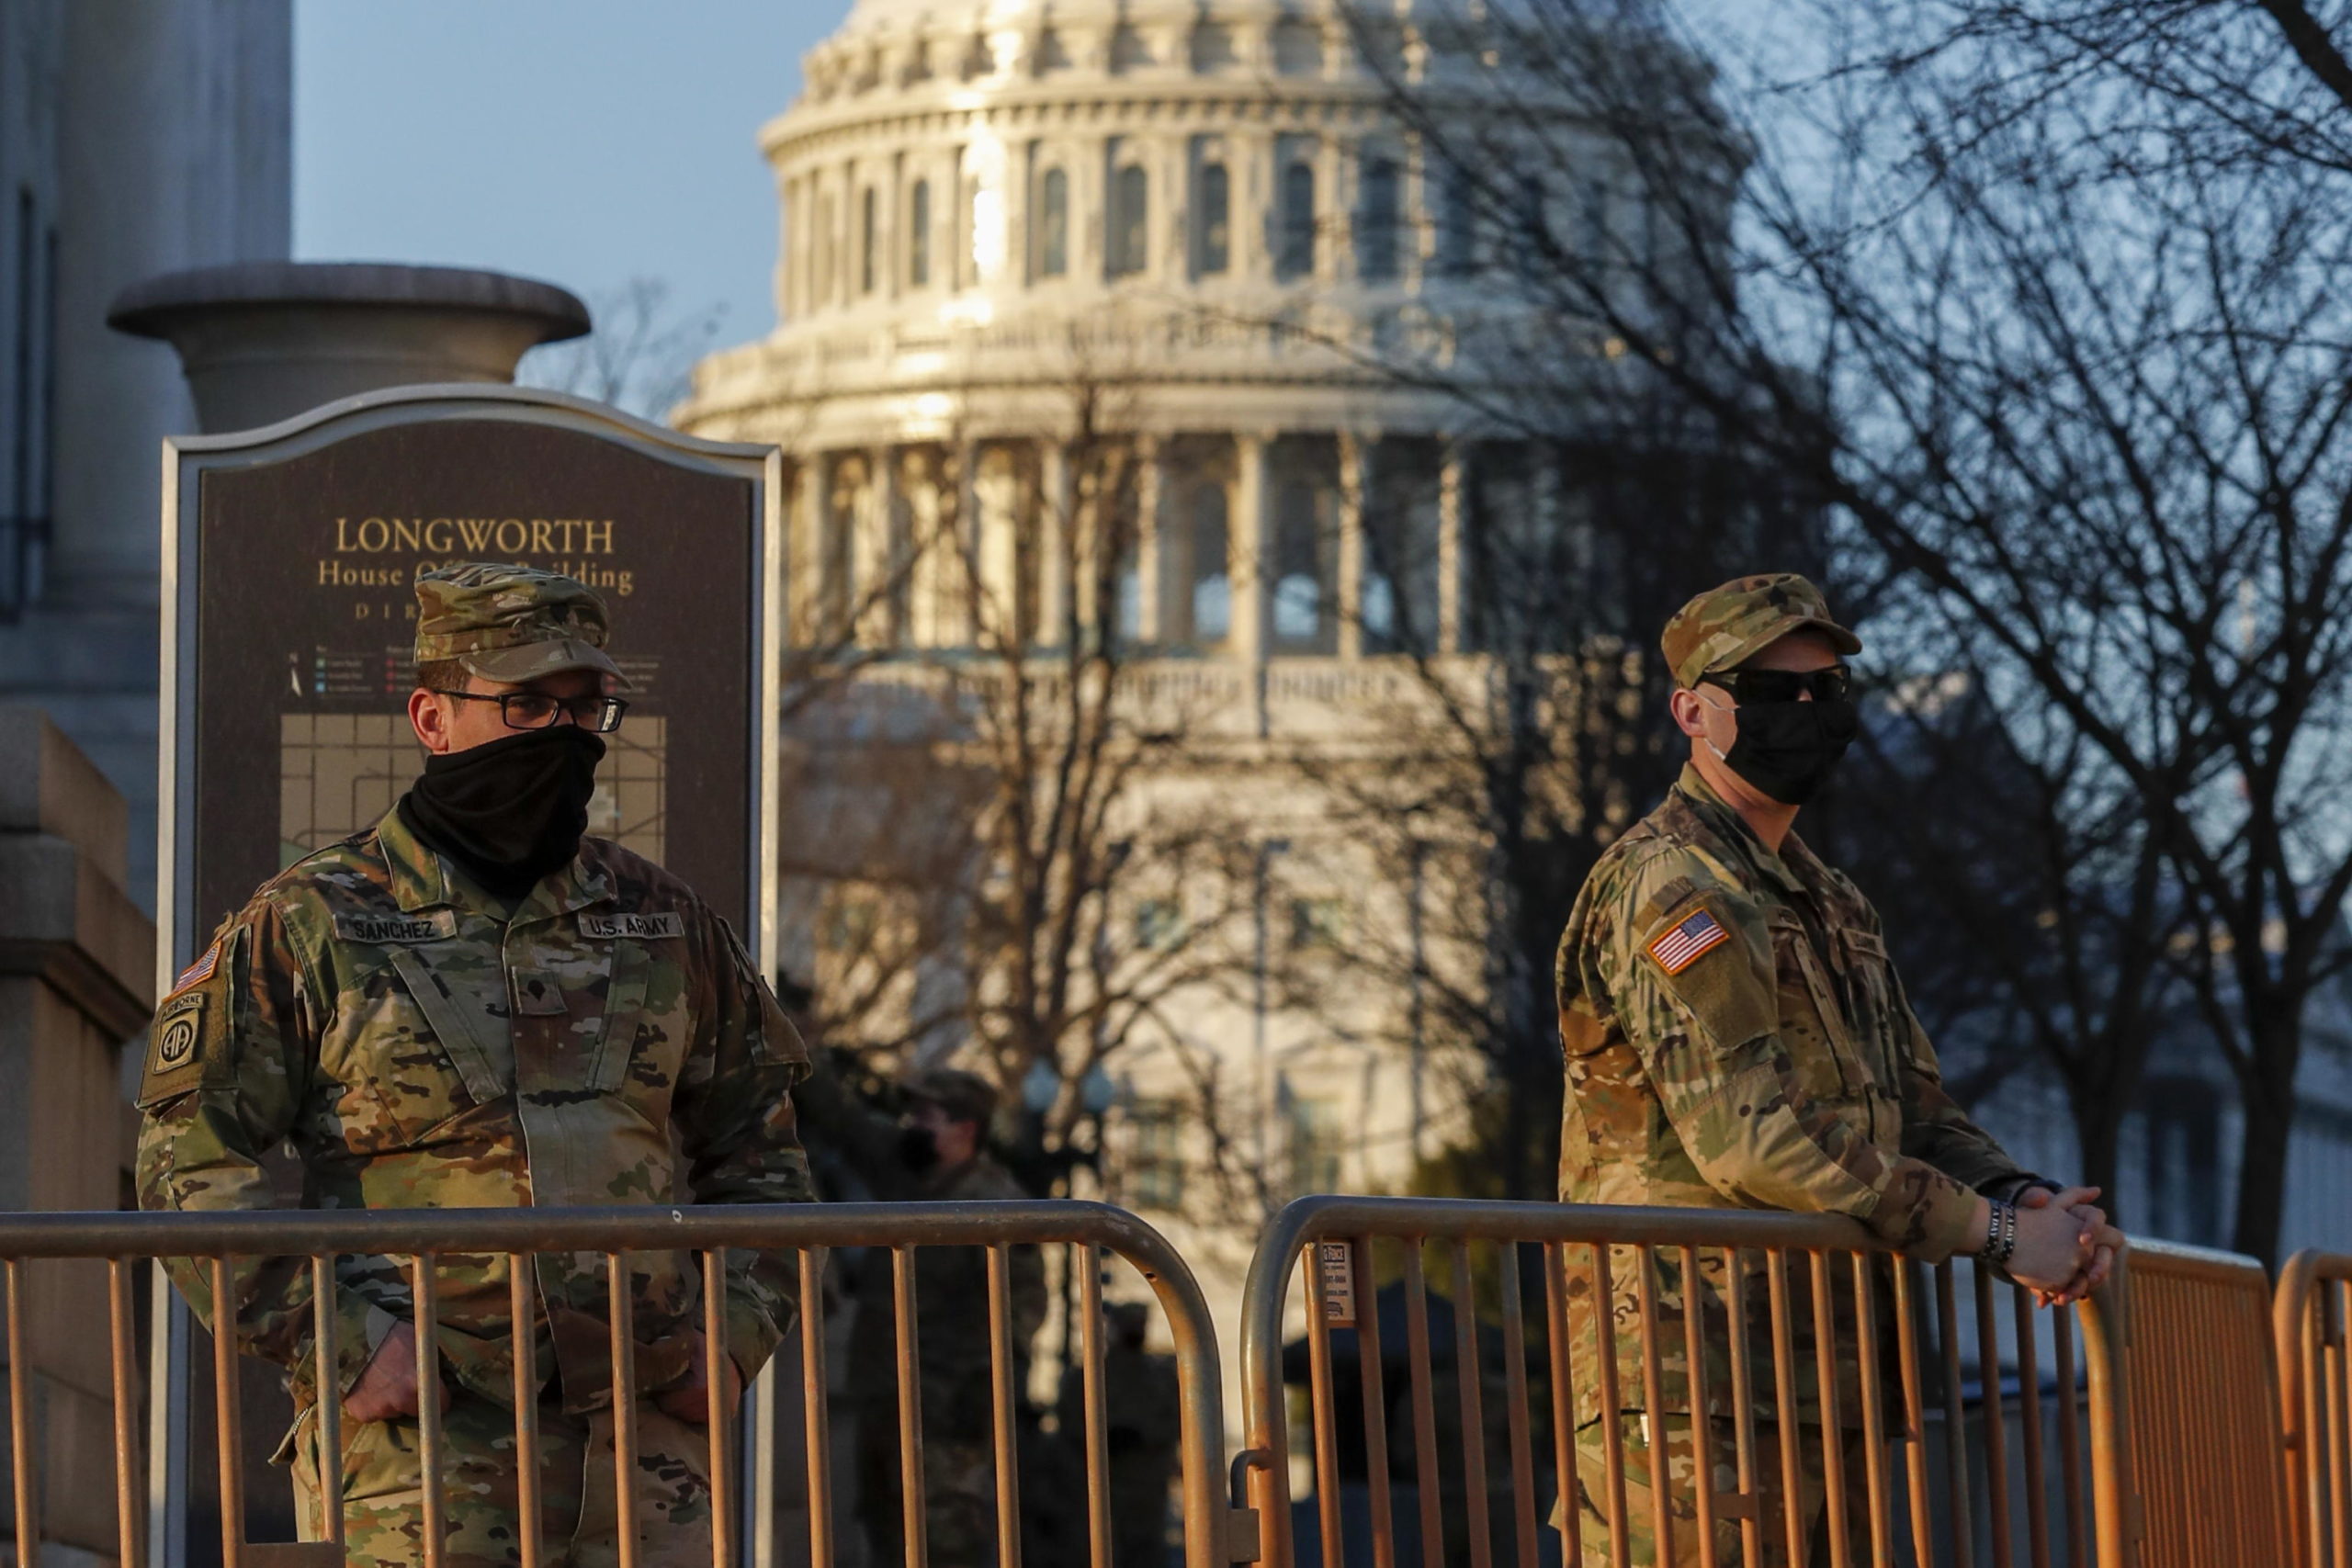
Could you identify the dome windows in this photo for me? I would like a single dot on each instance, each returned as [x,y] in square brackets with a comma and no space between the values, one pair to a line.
[1212,225]
[1294,217]
[919,235]
[1126,249]
[1379,217]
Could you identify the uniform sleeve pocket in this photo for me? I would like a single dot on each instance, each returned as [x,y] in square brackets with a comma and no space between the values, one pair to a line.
[1700,956]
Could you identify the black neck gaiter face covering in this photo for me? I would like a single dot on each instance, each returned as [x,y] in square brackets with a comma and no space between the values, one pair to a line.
[511,811]
[1787,750]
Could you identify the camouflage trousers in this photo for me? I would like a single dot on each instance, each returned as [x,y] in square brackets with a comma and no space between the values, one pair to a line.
[383,1495]
[958,1493]
[1769,1504]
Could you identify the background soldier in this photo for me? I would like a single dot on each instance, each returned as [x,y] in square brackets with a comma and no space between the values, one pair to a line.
[1737,1037]
[934,1153]
[469,1004]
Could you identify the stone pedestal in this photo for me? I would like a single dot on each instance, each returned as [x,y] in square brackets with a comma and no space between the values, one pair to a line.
[264,341]
[76,982]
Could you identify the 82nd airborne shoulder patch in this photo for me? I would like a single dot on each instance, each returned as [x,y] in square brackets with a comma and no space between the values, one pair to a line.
[1691,939]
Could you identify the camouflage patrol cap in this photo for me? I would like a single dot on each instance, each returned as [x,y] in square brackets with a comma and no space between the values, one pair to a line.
[965,1097]
[510,623]
[1730,625]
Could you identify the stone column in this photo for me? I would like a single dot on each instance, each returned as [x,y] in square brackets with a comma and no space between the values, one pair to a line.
[1252,182]
[1251,628]
[1448,550]
[1064,546]
[878,564]
[77,973]
[1151,589]
[1355,484]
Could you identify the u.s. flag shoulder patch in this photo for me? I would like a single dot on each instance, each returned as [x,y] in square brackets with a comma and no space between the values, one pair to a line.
[1687,941]
[198,972]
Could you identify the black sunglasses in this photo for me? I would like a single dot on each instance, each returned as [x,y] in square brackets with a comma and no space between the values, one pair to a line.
[1833,684]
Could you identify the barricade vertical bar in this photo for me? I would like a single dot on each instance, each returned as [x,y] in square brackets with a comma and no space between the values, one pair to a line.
[621,1312]
[1743,1398]
[1866,1353]
[718,1423]
[1702,1437]
[1612,1418]
[2037,1488]
[1469,1376]
[1914,1413]
[2329,1306]
[171,1347]
[1784,1388]
[913,1517]
[425,1297]
[1417,1342]
[815,1423]
[125,1415]
[2331,1458]
[2070,1436]
[1997,1437]
[1563,1402]
[1522,1454]
[1654,1408]
[1964,1532]
[1323,1417]
[1833,1435]
[1008,1456]
[2307,1404]
[521,1315]
[1369,1349]
[323,1362]
[19,1414]
[1098,1437]
[228,1421]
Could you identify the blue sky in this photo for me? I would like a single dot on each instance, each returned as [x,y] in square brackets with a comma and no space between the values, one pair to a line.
[583,141]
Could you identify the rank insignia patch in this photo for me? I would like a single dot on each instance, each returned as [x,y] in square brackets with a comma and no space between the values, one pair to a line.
[1680,946]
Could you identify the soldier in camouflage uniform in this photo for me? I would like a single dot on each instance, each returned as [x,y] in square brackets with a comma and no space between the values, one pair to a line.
[1736,1036]
[469,1004]
[935,1154]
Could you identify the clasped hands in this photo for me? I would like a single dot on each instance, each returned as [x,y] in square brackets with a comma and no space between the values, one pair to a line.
[386,1388]
[2065,1248]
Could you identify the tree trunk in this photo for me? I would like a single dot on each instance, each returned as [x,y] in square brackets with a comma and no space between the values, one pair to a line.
[2098,1129]
[2262,1162]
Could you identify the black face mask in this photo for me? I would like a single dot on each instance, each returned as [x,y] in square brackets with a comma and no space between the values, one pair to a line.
[918,1149]
[1787,750]
[509,811]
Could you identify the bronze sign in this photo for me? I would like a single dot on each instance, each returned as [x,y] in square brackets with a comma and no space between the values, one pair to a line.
[292,621]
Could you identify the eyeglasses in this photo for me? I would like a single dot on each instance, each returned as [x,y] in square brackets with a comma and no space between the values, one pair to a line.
[537,710]
[1833,684]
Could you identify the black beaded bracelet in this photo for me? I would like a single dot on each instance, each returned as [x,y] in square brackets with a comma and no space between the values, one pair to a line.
[2001,1235]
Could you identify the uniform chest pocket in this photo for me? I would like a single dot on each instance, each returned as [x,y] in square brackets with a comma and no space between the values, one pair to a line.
[1879,1019]
[1813,1027]
[409,1059]
[642,1044]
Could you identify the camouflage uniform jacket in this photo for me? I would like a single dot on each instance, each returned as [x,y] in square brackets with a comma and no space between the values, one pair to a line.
[607,1042]
[1737,1037]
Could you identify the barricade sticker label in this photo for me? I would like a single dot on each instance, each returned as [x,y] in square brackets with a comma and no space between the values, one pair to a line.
[1335,1268]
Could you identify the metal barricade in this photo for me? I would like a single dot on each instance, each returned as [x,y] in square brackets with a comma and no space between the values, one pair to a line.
[418,1237]
[2044,1489]
[2309,1314]
[2203,1387]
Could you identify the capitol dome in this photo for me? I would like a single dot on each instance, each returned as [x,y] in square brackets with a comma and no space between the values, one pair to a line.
[1207,203]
